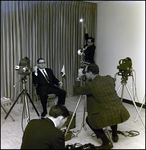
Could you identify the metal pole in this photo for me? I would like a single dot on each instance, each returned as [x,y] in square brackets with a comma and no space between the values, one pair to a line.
[134,105]
[140,107]
[14,103]
[119,88]
[73,114]
[122,92]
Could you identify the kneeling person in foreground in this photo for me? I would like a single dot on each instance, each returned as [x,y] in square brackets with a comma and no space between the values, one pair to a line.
[45,133]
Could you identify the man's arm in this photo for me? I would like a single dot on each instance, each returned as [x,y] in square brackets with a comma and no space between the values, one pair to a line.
[86,34]
[35,78]
[81,90]
[35,75]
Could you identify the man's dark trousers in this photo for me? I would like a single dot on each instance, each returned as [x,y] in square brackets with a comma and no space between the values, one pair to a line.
[60,93]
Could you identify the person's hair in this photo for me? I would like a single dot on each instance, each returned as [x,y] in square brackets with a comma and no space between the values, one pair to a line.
[92,39]
[58,110]
[39,60]
[93,68]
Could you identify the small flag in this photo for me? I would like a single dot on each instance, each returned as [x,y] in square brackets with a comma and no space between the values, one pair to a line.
[63,71]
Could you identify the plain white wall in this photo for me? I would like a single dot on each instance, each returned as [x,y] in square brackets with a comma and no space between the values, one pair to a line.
[121,34]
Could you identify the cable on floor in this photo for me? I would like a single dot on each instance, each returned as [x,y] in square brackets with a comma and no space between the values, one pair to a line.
[130,133]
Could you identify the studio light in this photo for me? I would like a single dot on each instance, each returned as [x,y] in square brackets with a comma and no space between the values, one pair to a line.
[81,20]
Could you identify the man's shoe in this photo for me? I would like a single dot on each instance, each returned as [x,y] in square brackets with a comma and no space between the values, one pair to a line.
[115,138]
[43,114]
[107,146]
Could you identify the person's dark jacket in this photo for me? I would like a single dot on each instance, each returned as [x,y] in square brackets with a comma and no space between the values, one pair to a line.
[104,107]
[89,52]
[42,134]
[41,82]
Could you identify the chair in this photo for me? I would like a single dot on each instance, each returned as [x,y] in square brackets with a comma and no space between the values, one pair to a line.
[6,102]
[51,97]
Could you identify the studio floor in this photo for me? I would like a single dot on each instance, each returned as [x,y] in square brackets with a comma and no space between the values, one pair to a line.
[11,131]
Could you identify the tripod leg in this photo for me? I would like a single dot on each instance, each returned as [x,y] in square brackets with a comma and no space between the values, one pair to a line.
[83,123]
[6,112]
[25,113]
[140,108]
[122,92]
[27,109]
[23,116]
[14,103]
[73,114]
[32,104]
[84,111]
[134,105]
[119,88]
[134,89]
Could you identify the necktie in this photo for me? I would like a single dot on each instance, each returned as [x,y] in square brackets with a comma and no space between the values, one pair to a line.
[46,76]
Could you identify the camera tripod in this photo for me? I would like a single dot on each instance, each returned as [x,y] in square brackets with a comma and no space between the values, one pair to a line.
[83,123]
[123,84]
[25,102]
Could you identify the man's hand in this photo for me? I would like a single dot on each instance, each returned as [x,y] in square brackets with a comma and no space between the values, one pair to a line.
[35,69]
[60,84]
[80,72]
[85,48]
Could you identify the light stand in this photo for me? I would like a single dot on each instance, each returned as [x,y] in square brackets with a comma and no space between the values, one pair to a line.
[83,64]
[123,84]
[25,101]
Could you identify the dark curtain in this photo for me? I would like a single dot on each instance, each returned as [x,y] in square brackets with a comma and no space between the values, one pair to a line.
[48,29]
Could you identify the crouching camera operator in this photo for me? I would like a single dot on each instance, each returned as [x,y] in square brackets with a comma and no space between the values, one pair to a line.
[104,107]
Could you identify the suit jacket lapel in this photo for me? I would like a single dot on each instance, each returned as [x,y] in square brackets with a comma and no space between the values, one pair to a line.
[43,75]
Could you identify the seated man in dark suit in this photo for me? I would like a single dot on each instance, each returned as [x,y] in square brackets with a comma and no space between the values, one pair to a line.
[47,83]
[45,133]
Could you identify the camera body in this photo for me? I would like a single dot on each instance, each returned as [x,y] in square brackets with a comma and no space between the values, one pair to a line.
[125,66]
[83,66]
[24,66]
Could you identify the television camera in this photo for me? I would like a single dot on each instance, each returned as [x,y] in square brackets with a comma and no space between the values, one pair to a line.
[125,67]
[24,67]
